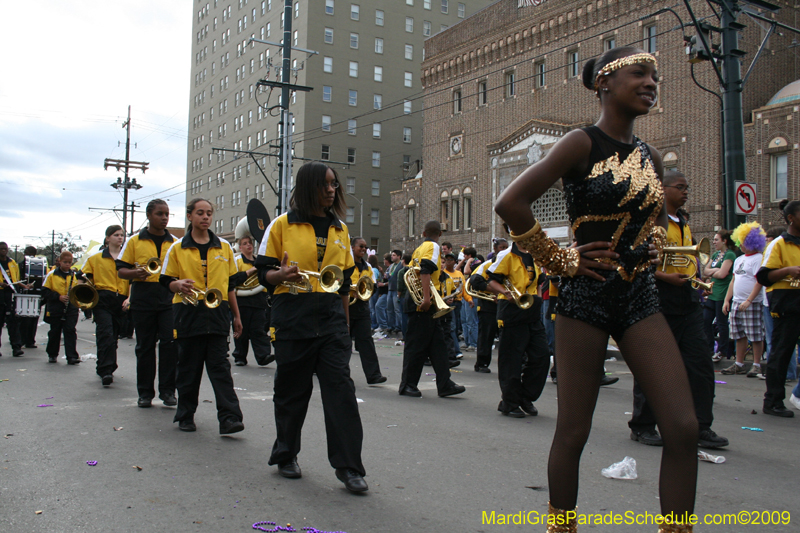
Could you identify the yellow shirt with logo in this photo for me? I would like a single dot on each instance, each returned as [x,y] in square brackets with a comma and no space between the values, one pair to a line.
[103,270]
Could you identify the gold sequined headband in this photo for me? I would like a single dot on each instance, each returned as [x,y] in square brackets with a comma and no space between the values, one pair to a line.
[624,62]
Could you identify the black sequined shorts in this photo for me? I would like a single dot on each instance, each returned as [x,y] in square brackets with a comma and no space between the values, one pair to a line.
[613,305]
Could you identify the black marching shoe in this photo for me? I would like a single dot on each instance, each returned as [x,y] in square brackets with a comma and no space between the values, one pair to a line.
[381,379]
[73,361]
[781,411]
[108,379]
[353,481]
[528,408]
[452,389]
[483,369]
[265,361]
[239,362]
[230,425]
[144,402]
[290,469]
[709,439]
[454,363]
[410,390]
[32,346]
[168,399]
[51,360]
[187,425]
[649,437]
[513,413]
[606,380]
[18,352]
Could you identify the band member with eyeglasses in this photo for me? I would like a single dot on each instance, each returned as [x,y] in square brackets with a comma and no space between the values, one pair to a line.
[151,307]
[59,312]
[8,315]
[310,328]
[425,339]
[254,311]
[202,266]
[112,291]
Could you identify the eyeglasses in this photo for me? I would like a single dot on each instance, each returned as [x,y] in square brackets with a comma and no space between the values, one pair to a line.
[332,184]
[682,188]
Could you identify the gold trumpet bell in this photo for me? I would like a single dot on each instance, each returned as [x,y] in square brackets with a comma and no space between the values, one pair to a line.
[211,297]
[84,296]
[363,289]
[522,300]
[152,266]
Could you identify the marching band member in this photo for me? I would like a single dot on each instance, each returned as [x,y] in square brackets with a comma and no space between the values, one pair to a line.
[201,265]
[150,307]
[360,328]
[523,358]
[487,318]
[254,311]
[310,329]
[59,313]
[112,290]
[447,290]
[29,324]
[8,314]
[459,299]
[425,339]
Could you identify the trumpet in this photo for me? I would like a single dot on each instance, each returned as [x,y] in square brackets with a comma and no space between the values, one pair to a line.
[152,266]
[483,295]
[700,284]
[363,289]
[793,282]
[211,297]
[523,300]
[84,296]
[414,284]
[330,280]
[678,256]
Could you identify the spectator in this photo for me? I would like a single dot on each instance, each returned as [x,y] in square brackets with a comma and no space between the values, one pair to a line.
[719,270]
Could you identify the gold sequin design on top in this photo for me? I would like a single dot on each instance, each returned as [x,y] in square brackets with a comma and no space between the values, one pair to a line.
[640,174]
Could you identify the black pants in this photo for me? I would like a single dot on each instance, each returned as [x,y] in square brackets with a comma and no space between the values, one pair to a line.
[67,328]
[424,340]
[9,318]
[785,334]
[487,331]
[107,321]
[523,359]
[689,334]
[151,326]
[712,310]
[27,328]
[126,326]
[211,350]
[297,361]
[446,324]
[254,330]
[361,332]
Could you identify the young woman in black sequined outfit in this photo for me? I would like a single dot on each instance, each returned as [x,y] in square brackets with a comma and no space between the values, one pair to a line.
[612,185]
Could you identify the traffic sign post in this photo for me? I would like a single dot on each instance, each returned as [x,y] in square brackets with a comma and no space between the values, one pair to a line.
[746,198]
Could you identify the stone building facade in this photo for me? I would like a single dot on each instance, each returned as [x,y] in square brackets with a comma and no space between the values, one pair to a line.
[503,85]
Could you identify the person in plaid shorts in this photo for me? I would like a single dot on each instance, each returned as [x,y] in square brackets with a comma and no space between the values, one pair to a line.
[744,299]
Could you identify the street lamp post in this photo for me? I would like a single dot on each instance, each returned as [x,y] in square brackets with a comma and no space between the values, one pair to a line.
[361,204]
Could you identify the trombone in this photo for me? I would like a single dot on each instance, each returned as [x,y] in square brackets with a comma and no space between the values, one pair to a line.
[152,266]
[414,285]
[211,297]
[678,256]
[330,280]
[363,289]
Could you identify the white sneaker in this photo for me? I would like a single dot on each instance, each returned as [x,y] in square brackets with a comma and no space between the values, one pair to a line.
[469,349]
[762,376]
[716,357]
[398,343]
[794,400]
[459,355]
[377,335]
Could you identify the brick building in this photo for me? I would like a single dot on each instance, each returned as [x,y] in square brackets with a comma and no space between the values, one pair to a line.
[503,85]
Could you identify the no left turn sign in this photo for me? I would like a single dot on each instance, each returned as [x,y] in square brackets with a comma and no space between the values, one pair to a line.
[746,201]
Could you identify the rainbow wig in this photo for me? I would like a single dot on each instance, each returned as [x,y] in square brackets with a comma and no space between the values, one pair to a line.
[750,236]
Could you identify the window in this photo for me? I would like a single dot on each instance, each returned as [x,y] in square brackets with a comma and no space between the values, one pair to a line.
[354,69]
[351,157]
[457,101]
[409,24]
[462,10]
[354,40]
[326,152]
[351,215]
[378,45]
[329,7]
[456,213]
[376,130]
[351,126]
[443,211]
[326,93]
[406,135]
[572,64]
[483,93]
[294,38]
[779,171]
[426,4]
[378,76]
[350,185]
[296,9]
[269,29]
[376,187]
[379,16]
[375,217]
[511,84]
[538,74]
[406,107]
[407,77]
[329,35]
[650,39]
[426,28]
[445,6]
[326,123]
[352,98]
[406,163]
[609,43]
[377,101]
[412,212]
[354,11]
[467,212]
[410,51]
[327,65]
[376,159]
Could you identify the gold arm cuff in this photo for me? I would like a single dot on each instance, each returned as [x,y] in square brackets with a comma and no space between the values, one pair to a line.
[547,253]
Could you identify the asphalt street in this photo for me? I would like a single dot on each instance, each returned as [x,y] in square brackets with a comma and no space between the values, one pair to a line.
[432,464]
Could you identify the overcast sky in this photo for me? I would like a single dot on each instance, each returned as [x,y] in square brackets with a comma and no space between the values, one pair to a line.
[70,71]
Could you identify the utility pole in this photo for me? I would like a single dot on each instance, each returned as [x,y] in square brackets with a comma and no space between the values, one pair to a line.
[126,164]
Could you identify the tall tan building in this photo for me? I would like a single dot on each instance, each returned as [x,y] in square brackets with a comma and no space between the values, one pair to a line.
[504,85]
[363,116]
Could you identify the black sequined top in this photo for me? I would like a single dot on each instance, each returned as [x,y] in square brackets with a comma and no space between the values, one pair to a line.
[618,200]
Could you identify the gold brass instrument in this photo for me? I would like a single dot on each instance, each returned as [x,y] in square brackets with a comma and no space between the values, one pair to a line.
[330,279]
[414,285]
[483,295]
[250,287]
[678,257]
[152,266]
[522,300]
[211,297]
[84,296]
[793,282]
[363,289]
